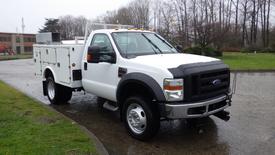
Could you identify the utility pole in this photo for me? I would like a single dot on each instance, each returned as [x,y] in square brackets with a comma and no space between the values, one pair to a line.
[22,37]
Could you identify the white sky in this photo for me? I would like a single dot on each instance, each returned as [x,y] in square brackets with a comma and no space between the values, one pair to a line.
[34,12]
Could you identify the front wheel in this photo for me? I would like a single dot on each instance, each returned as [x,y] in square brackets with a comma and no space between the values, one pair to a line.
[141,118]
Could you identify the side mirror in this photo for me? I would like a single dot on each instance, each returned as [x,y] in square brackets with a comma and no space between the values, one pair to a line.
[179,48]
[93,54]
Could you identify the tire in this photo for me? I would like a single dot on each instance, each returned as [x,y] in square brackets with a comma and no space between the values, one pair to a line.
[149,119]
[57,94]
[66,94]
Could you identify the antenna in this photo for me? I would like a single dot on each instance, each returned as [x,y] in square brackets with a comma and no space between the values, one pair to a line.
[23,25]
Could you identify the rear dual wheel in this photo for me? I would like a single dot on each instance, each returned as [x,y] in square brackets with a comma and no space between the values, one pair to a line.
[57,94]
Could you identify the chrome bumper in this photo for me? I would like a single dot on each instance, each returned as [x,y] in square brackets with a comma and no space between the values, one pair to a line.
[177,111]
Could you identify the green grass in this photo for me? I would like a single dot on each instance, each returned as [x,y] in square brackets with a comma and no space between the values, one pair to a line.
[14,57]
[249,61]
[27,127]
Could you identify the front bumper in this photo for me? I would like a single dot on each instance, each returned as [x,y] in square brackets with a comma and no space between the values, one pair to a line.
[198,109]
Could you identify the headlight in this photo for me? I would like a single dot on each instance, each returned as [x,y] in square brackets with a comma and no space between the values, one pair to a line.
[173,89]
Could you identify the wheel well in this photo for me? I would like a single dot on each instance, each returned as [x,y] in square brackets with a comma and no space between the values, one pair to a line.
[135,88]
[48,73]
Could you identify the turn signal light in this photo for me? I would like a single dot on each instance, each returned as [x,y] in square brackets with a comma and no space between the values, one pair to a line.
[169,87]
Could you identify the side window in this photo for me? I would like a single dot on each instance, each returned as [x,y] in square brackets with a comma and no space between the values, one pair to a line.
[102,41]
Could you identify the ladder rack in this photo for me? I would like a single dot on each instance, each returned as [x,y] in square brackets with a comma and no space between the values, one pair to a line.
[97,26]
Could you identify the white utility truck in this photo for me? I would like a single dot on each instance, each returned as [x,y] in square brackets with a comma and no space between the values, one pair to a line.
[136,72]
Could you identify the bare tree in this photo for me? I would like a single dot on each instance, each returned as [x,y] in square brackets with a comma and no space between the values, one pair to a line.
[216,23]
[72,26]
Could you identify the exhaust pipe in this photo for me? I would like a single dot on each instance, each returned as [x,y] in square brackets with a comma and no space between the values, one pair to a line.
[223,115]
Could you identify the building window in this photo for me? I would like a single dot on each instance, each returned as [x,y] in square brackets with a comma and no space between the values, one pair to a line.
[5,39]
[18,50]
[9,39]
[28,39]
[28,49]
[17,39]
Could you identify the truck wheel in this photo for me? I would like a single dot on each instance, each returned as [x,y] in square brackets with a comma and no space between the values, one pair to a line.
[140,118]
[66,94]
[57,94]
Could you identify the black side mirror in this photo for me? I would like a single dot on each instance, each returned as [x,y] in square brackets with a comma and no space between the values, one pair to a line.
[96,54]
[179,48]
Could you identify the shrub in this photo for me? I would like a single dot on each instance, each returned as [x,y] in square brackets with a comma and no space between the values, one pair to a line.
[268,50]
[207,51]
[230,49]
[252,49]
[245,50]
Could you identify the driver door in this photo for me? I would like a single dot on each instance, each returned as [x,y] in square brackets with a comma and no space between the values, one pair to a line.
[100,77]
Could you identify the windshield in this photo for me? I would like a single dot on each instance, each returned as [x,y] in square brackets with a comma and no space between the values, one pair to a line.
[132,44]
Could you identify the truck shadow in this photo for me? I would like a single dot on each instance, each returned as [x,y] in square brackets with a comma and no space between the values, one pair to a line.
[174,137]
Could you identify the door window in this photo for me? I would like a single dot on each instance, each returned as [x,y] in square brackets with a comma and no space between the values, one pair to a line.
[103,42]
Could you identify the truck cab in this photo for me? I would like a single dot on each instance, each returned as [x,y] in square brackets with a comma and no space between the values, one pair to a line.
[140,74]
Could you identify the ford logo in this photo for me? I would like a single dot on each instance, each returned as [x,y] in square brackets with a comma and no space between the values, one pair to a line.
[216,82]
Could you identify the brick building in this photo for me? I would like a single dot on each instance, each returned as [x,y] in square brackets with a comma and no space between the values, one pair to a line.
[18,43]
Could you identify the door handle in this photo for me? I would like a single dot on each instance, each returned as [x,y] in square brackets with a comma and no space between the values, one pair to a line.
[85,66]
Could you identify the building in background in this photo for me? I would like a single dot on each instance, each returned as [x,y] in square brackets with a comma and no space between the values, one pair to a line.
[16,43]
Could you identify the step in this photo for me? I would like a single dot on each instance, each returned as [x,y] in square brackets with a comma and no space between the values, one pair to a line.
[110,107]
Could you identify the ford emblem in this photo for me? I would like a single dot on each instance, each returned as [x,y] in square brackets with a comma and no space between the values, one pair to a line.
[216,82]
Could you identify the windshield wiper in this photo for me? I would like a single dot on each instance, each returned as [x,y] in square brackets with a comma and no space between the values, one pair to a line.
[150,41]
[163,41]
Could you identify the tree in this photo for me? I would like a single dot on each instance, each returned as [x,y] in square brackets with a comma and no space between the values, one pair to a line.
[216,23]
[70,26]
[51,25]
[136,13]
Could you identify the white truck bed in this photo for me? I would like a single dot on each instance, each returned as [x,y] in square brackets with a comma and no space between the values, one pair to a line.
[63,60]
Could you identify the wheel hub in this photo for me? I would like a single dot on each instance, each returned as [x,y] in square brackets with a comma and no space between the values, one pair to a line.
[136,118]
[51,90]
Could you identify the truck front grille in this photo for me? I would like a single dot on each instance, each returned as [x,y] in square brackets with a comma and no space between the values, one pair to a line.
[208,84]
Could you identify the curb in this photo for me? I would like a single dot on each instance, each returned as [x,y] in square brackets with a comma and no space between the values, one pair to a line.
[98,144]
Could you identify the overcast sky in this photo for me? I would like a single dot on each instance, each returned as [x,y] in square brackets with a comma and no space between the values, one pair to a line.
[34,12]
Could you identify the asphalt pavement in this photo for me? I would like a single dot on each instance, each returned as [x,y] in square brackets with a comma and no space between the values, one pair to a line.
[251,129]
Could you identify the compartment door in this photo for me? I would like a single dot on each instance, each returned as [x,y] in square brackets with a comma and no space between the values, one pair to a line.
[37,61]
[63,65]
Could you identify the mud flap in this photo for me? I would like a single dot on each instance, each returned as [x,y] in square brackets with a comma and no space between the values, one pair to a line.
[44,83]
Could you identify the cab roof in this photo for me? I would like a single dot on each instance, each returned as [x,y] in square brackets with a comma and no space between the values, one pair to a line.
[120,30]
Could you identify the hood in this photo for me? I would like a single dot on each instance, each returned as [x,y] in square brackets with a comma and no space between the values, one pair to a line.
[171,60]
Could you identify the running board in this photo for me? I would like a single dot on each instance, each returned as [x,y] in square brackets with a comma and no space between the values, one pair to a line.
[110,107]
